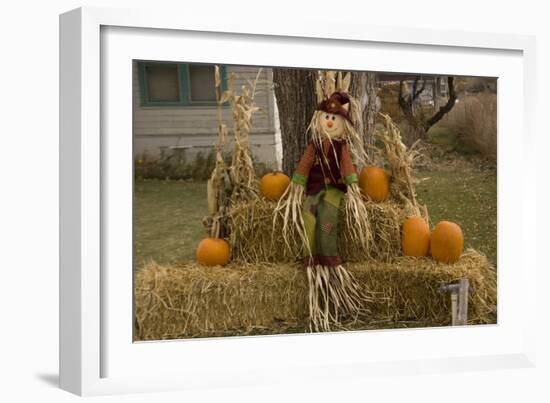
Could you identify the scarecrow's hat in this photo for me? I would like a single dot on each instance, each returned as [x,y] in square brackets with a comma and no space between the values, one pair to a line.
[335,105]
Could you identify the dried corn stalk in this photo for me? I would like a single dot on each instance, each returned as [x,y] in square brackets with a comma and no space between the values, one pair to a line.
[243,177]
[218,187]
[400,161]
[237,182]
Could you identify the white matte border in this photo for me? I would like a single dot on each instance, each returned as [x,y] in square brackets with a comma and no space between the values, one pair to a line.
[426,348]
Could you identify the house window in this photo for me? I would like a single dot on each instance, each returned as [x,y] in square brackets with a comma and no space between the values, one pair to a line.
[162,82]
[178,84]
[202,85]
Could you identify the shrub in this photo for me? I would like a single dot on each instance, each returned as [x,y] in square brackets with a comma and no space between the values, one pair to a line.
[174,164]
[474,121]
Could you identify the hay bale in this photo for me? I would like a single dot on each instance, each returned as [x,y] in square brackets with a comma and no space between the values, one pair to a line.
[255,239]
[408,288]
[196,301]
[199,301]
[385,221]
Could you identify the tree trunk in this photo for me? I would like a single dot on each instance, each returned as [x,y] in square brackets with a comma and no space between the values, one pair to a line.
[411,131]
[363,88]
[295,94]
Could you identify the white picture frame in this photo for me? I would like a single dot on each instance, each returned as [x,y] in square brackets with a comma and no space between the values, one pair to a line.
[96,355]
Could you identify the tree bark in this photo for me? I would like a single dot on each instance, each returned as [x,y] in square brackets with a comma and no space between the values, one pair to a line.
[295,95]
[363,88]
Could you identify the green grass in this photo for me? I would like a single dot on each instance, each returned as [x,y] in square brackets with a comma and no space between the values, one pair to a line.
[446,138]
[167,220]
[168,214]
[441,136]
[467,197]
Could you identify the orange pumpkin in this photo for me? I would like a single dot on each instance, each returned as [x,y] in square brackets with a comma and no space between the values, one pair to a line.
[374,183]
[273,185]
[447,242]
[415,239]
[213,252]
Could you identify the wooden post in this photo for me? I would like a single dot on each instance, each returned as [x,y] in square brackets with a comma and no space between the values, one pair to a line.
[459,301]
[454,298]
[463,291]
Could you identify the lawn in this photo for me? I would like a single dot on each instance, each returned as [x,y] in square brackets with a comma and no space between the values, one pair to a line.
[168,214]
[168,220]
[467,197]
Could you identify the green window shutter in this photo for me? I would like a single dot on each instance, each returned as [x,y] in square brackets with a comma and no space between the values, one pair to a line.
[185,92]
[142,83]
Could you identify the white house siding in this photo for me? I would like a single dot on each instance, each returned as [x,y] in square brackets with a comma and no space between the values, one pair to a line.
[195,127]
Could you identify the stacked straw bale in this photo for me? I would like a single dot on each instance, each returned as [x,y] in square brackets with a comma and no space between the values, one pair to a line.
[255,239]
[243,298]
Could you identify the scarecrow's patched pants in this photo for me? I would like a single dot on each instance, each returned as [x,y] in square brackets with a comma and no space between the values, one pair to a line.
[321,213]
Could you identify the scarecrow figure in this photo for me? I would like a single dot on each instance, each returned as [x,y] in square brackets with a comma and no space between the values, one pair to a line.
[326,170]
[326,177]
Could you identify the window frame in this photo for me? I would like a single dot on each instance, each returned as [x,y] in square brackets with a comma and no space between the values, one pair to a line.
[183,83]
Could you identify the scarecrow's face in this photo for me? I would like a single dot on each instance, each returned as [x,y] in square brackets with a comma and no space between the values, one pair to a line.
[332,125]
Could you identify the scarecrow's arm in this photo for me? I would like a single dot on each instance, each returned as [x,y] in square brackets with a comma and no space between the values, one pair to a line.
[304,166]
[346,166]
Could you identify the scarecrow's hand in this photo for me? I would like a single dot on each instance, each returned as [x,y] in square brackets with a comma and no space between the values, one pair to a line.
[292,196]
[351,179]
[356,215]
[288,213]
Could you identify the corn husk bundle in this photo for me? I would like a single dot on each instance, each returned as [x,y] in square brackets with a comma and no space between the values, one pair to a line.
[400,162]
[244,298]
[238,181]
[243,176]
[218,187]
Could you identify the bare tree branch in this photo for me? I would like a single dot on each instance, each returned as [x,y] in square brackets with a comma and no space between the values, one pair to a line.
[404,101]
[416,94]
[418,123]
[445,108]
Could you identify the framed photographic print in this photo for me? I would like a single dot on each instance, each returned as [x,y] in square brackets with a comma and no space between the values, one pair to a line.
[236,200]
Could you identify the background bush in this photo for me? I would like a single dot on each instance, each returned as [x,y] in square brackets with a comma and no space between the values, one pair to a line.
[174,164]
